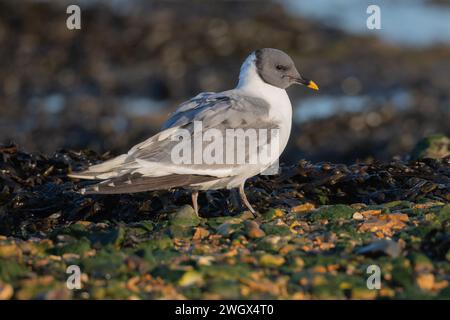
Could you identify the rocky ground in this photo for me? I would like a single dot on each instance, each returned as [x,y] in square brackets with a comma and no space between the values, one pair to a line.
[319,227]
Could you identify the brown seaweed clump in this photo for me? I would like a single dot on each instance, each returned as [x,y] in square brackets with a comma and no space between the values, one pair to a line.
[36,195]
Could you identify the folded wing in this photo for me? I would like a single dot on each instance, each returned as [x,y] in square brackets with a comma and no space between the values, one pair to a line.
[150,166]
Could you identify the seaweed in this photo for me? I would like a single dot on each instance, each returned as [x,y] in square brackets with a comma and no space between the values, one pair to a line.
[152,245]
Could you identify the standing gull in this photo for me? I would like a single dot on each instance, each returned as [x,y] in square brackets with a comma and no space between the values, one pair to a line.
[258,102]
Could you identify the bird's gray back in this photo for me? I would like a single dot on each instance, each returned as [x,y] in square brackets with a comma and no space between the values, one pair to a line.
[226,107]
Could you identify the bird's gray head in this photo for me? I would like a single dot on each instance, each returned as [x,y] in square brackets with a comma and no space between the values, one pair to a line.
[276,68]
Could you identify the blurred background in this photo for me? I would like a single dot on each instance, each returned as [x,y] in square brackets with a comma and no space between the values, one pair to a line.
[113,83]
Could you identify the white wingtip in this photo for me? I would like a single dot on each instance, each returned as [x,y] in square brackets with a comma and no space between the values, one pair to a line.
[81,176]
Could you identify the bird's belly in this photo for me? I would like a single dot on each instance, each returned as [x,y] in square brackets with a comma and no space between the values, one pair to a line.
[281,111]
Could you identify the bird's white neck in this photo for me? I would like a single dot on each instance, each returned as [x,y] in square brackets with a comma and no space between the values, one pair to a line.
[250,83]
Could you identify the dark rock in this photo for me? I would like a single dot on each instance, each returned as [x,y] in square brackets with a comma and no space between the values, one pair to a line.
[433,147]
[381,247]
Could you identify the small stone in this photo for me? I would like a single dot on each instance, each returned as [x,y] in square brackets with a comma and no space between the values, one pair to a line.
[387,292]
[444,213]
[435,147]
[246,215]
[299,262]
[226,229]
[6,291]
[422,264]
[185,217]
[384,224]
[334,212]
[319,269]
[427,205]
[70,256]
[54,258]
[205,260]
[10,250]
[270,243]
[358,216]
[380,247]
[364,294]
[425,281]
[183,222]
[358,206]
[190,278]
[200,233]
[253,230]
[269,260]
[277,227]
[273,213]
[286,249]
[396,217]
[305,207]
[369,213]
[58,294]
[319,281]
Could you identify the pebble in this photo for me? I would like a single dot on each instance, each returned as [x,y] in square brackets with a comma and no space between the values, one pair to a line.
[387,247]
[269,260]
[6,291]
[425,281]
[190,278]
[305,207]
[253,230]
[226,229]
[358,216]
[185,217]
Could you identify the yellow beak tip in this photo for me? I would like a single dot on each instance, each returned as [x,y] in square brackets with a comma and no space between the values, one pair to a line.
[313,85]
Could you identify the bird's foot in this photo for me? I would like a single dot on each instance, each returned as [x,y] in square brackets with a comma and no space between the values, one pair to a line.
[195,202]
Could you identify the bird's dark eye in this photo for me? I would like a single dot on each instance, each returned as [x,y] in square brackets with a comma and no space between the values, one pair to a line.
[281,67]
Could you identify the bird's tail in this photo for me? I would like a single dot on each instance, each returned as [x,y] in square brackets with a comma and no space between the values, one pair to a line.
[135,182]
[104,170]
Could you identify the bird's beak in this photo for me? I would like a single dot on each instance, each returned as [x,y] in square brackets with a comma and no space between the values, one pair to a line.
[306,82]
[312,85]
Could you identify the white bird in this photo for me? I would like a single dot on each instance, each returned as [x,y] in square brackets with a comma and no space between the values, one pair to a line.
[259,101]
